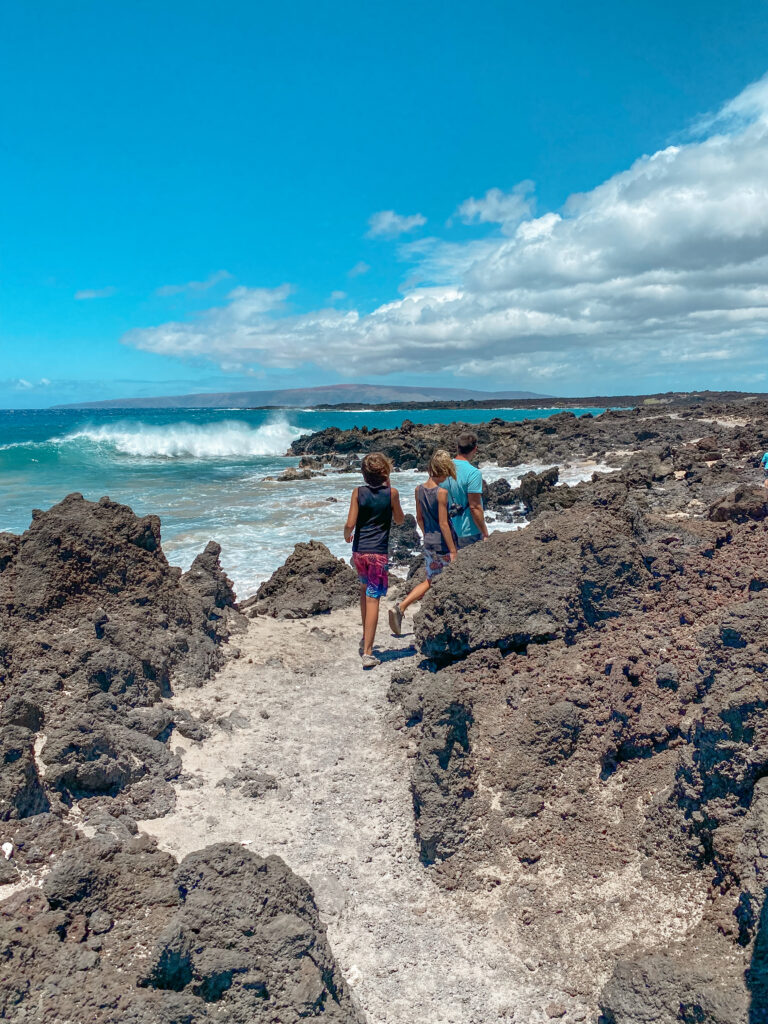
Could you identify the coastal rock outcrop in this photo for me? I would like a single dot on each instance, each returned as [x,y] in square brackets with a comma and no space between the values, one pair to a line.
[743,504]
[120,932]
[97,630]
[560,575]
[533,485]
[311,581]
[404,541]
[96,626]
[611,436]
[596,718]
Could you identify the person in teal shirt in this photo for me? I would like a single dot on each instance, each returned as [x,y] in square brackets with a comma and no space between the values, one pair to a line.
[764,464]
[465,494]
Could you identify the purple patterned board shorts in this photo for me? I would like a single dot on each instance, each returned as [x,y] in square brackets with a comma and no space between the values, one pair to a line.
[372,571]
[435,562]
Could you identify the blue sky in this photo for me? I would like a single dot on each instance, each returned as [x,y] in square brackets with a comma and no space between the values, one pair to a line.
[203,196]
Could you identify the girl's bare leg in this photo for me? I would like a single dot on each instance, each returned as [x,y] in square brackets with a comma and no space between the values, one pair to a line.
[415,595]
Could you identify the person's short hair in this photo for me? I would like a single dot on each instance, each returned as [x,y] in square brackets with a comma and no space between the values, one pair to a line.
[466,442]
[441,464]
[376,468]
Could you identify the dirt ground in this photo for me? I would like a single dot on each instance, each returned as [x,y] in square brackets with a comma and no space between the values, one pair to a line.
[297,706]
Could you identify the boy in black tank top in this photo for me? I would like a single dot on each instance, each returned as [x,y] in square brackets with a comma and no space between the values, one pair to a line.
[372,510]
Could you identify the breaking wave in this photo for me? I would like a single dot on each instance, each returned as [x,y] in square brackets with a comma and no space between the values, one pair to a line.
[228,439]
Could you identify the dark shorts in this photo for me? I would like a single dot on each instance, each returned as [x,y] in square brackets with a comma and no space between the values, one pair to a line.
[464,542]
[372,573]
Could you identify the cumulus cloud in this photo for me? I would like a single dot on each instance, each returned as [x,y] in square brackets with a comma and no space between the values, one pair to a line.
[388,224]
[497,207]
[663,264]
[194,286]
[94,293]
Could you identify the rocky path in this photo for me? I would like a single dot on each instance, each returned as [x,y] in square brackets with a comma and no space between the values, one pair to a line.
[296,706]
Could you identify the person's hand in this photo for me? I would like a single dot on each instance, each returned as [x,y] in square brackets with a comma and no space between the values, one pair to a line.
[452,555]
[347,535]
[486,536]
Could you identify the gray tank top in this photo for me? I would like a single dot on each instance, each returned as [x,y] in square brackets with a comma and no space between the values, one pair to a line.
[430,505]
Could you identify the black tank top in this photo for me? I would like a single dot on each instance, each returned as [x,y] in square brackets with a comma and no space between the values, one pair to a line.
[374,518]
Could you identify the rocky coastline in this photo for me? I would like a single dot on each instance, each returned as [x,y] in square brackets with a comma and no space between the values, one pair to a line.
[582,716]
[98,631]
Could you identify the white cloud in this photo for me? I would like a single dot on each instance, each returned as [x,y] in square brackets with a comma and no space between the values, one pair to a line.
[337,296]
[388,224]
[360,268]
[497,207]
[194,286]
[22,384]
[94,293]
[663,264]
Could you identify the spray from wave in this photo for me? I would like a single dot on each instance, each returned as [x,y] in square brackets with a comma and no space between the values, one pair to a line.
[226,440]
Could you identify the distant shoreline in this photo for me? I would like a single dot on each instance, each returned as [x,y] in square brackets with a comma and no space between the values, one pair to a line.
[666,399]
[691,398]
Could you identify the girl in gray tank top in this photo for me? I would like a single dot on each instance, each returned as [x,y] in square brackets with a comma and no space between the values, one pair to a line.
[428,504]
[436,529]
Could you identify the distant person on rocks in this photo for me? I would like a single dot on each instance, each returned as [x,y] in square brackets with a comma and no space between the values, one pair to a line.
[465,494]
[372,509]
[764,464]
[436,529]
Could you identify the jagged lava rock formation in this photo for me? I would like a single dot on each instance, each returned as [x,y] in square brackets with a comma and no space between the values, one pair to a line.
[97,630]
[592,733]
[121,932]
[311,581]
[94,624]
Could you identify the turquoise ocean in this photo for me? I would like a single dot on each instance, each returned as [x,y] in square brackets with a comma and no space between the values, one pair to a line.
[203,472]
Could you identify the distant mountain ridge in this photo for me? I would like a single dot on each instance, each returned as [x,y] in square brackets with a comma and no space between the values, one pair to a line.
[331,394]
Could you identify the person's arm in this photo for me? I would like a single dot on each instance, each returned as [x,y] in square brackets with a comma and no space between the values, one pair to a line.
[398,516]
[349,526]
[445,523]
[419,513]
[475,500]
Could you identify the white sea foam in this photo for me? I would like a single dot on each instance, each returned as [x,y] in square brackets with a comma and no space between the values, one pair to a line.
[223,440]
[21,444]
[569,473]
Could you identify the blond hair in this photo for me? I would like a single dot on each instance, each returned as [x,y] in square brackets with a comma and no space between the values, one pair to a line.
[441,464]
[376,468]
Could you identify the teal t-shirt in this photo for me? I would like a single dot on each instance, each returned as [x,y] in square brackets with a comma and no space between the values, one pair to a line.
[764,461]
[469,480]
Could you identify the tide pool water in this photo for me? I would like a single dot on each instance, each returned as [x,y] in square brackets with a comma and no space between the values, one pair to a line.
[203,472]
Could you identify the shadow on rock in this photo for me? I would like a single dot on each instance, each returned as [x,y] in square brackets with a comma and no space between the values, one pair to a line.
[757,975]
